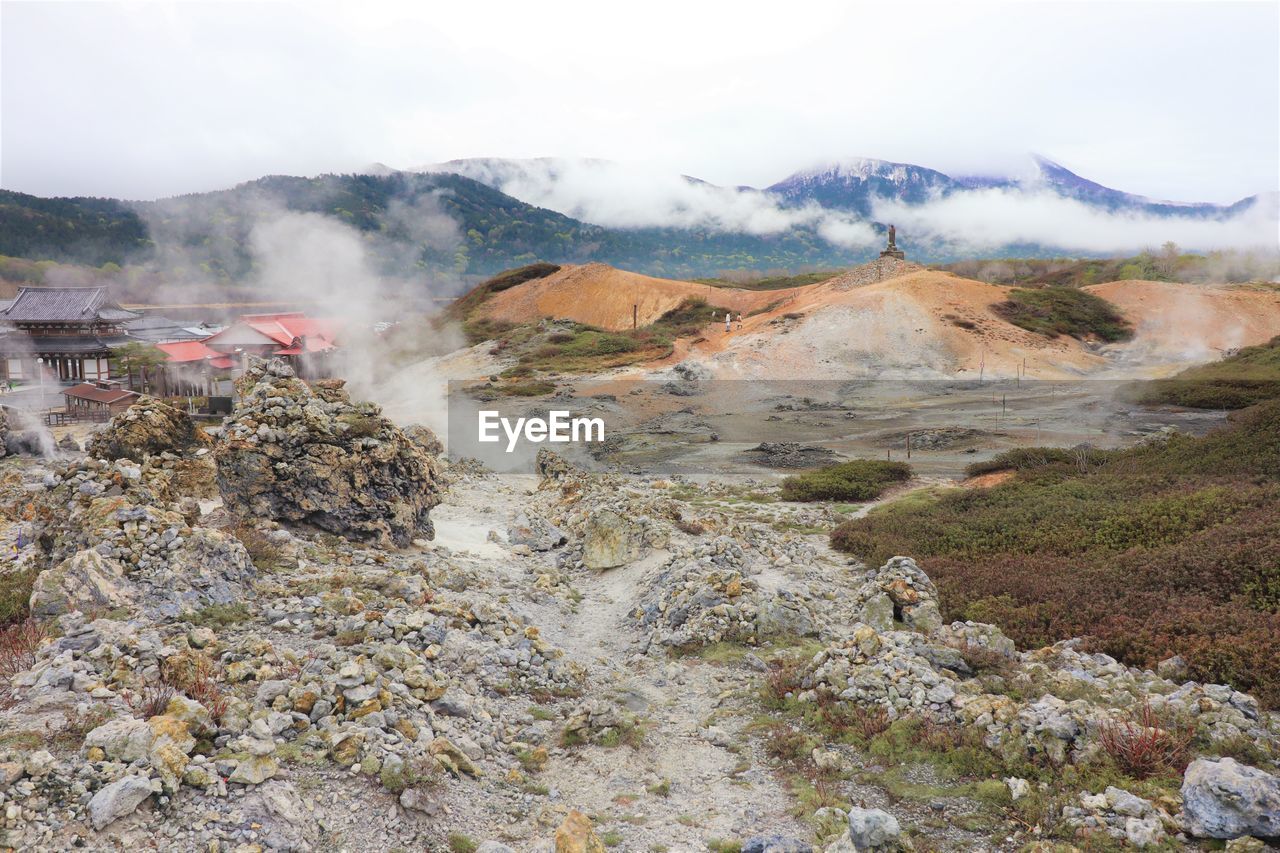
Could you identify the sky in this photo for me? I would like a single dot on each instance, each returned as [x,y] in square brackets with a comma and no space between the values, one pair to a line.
[1175,100]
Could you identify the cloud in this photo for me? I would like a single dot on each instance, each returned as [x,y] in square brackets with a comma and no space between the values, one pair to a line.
[983,220]
[619,195]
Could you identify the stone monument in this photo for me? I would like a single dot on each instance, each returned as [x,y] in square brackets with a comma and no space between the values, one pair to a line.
[892,250]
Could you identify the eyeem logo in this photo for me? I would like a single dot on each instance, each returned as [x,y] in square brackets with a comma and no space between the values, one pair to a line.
[559,428]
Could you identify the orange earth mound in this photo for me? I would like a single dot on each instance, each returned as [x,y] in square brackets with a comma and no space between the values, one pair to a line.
[602,296]
[919,323]
[1192,322]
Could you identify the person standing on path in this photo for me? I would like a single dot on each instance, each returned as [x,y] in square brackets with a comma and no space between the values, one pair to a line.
[739,321]
[728,321]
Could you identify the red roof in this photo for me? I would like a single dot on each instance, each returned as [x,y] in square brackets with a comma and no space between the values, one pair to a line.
[184,352]
[284,329]
[89,391]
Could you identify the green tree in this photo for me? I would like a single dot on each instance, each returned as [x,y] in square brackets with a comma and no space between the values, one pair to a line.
[137,357]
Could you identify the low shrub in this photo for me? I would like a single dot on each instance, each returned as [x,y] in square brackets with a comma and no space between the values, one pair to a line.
[15,594]
[1247,378]
[219,615]
[858,480]
[1057,311]
[151,702]
[1146,746]
[18,645]
[1162,549]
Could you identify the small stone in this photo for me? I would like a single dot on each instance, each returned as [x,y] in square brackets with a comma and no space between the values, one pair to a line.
[254,770]
[118,799]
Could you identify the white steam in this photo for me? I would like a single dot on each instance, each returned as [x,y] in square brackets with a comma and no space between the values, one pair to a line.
[324,264]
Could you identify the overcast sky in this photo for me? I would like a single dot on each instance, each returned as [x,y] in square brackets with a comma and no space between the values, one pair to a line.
[1177,100]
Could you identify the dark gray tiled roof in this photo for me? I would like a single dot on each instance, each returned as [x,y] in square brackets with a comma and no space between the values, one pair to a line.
[65,304]
[20,343]
[154,328]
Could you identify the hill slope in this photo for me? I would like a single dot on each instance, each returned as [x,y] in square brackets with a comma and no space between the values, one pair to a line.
[901,321]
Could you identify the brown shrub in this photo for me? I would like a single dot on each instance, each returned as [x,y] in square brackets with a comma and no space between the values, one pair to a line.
[1146,746]
[18,645]
[151,702]
[782,678]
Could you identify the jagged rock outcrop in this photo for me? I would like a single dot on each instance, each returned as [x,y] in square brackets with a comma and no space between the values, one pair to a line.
[308,455]
[900,591]
[148,427]
[425,439]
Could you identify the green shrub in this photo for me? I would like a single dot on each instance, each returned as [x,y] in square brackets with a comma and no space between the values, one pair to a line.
[1056,311]
[219,615]
[858,480]
[528,389]
[461,843]
[15,595]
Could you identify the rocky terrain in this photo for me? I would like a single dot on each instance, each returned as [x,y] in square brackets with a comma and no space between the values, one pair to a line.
[305,631]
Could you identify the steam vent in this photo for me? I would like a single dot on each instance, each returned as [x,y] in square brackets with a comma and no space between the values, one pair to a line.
[892,250]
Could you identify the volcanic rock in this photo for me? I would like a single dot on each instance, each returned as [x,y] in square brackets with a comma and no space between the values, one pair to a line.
[310,456]
[610,541]
[86,581]
[1225,799]
[118,799]
[149,426]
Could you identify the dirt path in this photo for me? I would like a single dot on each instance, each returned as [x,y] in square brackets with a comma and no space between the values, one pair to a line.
[701,773]
[688,781]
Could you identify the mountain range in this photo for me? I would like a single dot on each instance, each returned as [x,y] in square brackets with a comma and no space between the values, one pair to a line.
[468,218]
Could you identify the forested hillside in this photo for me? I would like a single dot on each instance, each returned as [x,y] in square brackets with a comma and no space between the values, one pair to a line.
[411,222]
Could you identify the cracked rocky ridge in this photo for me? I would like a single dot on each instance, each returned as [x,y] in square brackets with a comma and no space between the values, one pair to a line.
[252,641]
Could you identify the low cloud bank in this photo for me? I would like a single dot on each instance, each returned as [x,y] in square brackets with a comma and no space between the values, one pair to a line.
[984,220]
[976,221]
[616,195]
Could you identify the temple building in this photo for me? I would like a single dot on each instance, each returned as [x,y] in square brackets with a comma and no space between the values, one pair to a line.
[69,330]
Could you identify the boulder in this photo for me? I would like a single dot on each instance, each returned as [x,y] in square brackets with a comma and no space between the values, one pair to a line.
[125,739]
[148,427]
[535,532]
[254,770]
[873,829]
[118,799]
[307,455]
[86,581]
[209,567]
[551,466]
[609,541]
[1225,799]
[285,821]
[912,597]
